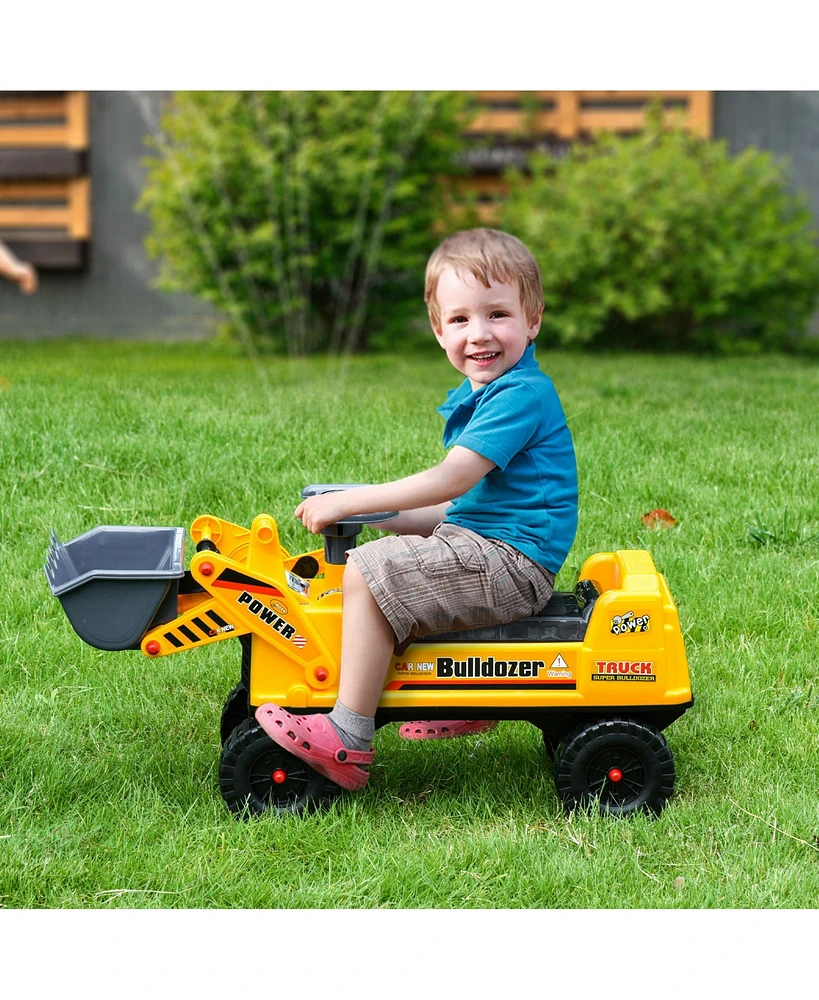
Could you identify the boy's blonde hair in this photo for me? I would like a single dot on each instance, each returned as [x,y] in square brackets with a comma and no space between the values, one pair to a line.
[489,255]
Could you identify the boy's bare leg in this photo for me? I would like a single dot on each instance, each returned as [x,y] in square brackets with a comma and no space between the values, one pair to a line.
[367,642]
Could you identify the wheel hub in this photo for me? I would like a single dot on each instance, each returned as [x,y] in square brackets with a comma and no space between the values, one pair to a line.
[617,775]
[277,779]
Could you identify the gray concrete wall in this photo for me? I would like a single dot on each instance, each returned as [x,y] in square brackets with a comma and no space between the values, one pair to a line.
[114,297]
[786,122]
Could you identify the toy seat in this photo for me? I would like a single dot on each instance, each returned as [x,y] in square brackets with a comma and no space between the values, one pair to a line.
[564,619]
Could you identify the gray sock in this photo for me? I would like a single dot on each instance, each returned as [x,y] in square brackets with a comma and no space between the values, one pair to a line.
[356,731]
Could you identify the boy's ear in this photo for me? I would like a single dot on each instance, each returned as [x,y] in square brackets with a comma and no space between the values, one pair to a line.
[438,335]
[534,328]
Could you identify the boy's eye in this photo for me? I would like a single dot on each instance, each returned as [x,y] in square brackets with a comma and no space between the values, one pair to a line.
[458,319]
[499,313]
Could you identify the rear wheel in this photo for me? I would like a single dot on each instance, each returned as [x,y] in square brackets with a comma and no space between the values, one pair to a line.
[624,765]
[256,775]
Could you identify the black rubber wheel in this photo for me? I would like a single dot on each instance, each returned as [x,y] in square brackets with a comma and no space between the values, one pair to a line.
[625,765]
[256,776]
[236,710]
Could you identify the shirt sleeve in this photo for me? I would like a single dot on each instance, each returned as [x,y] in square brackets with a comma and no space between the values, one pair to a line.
[503,424]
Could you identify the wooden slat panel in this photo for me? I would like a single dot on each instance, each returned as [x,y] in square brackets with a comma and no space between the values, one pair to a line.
[613,121]
[632,95]
[700,113]
[32,136]
[19,109]
[79,208]
[45,135]
[70,132]
[34,217]
[572,114]
[567,118]
[516,95]
[613,96]
[498,95]
[33,190]
[77,119]
[72,213]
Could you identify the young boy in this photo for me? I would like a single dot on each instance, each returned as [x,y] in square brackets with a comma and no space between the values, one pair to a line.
[480,536]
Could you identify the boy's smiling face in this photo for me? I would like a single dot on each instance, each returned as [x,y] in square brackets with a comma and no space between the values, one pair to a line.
[484,331]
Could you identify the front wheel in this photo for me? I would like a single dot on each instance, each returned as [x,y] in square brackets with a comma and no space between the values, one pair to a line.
[624,765]
[256,775]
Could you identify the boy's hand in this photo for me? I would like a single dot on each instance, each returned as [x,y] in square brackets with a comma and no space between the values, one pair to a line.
[26,278]
[316,513]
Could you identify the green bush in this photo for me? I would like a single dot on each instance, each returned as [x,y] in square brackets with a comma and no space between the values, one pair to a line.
[667,241]
[306,217]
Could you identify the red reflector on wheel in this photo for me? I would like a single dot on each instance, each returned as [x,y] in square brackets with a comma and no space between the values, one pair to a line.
[279,776]
[615,774]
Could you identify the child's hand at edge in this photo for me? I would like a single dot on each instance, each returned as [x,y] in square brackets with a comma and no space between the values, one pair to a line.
[27,279]
[317,512]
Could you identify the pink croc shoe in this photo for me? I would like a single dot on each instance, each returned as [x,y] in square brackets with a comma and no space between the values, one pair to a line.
[313,739]
[437,730]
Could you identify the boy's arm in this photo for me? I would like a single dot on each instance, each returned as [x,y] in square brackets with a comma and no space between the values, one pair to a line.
[421,521]
[460,471]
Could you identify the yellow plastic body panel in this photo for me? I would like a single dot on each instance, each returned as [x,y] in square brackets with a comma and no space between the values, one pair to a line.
[632,654]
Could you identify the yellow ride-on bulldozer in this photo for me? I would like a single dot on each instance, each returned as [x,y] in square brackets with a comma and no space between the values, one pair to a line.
[601,670]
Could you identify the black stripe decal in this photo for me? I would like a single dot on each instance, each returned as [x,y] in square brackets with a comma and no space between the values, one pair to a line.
[188,634]
[173,640]
[231,576]
[203,628]
[218,619]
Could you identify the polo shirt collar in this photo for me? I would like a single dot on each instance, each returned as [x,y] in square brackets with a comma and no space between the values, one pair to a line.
[464,395]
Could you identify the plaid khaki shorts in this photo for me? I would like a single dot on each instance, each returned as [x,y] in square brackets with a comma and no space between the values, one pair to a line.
[454,579]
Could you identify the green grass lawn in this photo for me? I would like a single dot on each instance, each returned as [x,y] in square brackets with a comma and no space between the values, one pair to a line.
[109,762]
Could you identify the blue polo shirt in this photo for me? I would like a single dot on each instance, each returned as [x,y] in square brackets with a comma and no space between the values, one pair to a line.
[530,498]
